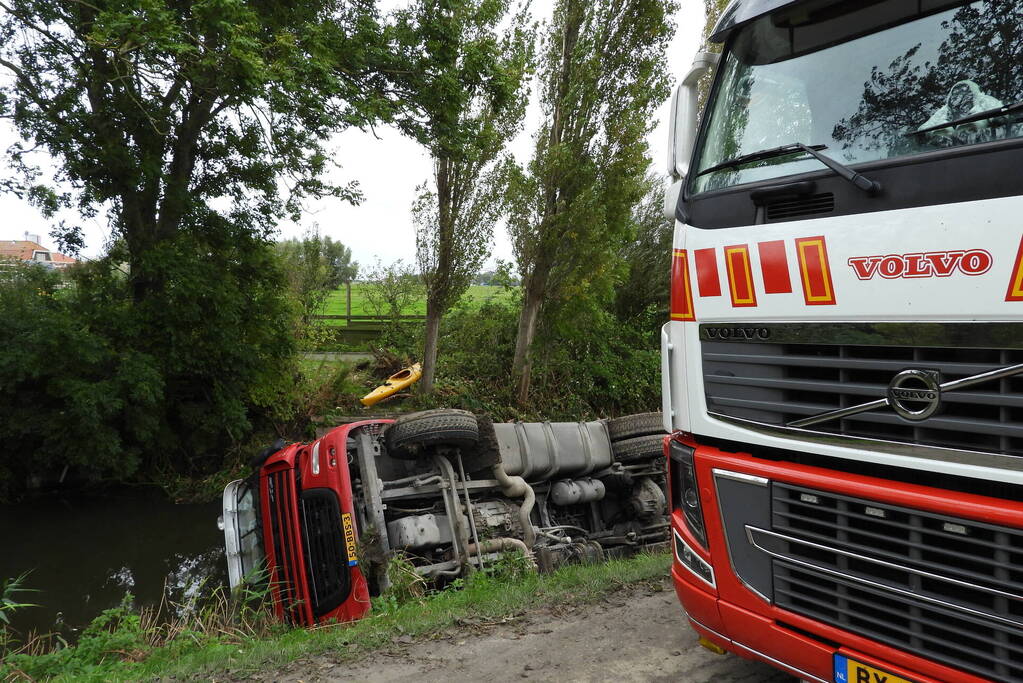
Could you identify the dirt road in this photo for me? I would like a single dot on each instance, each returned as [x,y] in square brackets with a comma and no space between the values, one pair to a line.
[639,634]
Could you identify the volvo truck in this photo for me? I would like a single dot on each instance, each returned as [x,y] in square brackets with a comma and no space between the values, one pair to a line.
[843,367]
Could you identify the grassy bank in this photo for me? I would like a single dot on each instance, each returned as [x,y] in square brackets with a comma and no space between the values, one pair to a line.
[483,597]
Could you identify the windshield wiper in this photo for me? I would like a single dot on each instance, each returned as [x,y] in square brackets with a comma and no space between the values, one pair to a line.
[871,187]
[979,116]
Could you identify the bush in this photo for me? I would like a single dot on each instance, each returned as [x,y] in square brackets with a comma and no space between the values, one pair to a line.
[68,395]
[591,364]
[114,390]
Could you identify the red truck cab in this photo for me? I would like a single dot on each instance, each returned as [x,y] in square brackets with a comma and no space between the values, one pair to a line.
[296,517]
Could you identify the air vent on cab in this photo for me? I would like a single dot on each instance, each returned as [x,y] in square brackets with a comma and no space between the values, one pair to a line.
[794,207]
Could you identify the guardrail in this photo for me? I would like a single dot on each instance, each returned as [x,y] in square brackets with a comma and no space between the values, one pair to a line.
[369,318]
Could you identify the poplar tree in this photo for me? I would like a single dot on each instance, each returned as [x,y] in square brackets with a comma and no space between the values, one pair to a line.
[468,63]
[602,75]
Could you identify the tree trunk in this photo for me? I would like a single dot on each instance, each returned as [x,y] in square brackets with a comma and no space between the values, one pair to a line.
[522,365]
[439,281]
[433,316]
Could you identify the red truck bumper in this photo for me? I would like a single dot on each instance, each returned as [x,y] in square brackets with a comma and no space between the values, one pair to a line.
[728,613]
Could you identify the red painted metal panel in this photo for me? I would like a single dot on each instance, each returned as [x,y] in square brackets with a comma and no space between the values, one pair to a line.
[815,271]
[681,287]
[1015,291]
[740,276]
[707,272]
[752,622]
[775,267]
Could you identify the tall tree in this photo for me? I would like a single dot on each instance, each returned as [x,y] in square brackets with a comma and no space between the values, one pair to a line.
[195,125]
[156,108]
[468,62]
[603,73]
[645,285]
[712,12]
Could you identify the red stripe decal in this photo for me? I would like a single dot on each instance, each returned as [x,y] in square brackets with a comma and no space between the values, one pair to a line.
[740,276]
[818,290]
[775,267]
[1015,291]
[681,289]
[707,272]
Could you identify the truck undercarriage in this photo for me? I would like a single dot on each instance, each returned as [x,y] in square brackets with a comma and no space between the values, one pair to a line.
[449,492]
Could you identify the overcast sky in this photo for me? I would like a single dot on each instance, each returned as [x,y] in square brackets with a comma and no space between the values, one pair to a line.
[388,167]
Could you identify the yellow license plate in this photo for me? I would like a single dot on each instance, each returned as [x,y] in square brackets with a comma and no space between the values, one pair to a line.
[850,671]
[350,543]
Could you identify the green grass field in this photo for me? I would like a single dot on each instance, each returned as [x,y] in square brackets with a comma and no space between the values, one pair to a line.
[335,305]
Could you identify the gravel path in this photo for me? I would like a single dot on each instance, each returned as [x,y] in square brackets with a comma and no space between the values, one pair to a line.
[639,634]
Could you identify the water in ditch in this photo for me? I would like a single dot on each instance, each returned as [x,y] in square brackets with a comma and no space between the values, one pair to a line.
[84,553]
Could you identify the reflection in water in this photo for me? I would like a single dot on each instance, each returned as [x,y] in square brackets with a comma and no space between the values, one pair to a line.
[85,553]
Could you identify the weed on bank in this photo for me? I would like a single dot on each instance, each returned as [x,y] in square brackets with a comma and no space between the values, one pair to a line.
[123,644]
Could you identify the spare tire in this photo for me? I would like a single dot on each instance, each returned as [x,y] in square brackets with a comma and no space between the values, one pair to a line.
[629,426]
[638,448]
[411,435]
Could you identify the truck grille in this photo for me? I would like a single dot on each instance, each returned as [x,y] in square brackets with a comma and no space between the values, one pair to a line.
[778,383]
[943,588]
[323,541]
[285,559]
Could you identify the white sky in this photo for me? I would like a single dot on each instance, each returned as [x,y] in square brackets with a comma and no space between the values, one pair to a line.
[388,167]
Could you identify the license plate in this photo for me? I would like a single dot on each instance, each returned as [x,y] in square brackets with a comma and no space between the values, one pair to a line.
[850,671]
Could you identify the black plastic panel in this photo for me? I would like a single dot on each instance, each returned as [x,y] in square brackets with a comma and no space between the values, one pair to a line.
[776,384]
[937,586]
[985,171]
[323,541]
[743,503]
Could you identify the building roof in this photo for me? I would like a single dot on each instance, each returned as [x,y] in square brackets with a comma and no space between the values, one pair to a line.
[26,250]
[23,250]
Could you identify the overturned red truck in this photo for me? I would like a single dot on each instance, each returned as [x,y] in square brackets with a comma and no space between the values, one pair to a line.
[449,490]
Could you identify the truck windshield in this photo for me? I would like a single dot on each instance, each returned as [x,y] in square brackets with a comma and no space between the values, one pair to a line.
[869,80]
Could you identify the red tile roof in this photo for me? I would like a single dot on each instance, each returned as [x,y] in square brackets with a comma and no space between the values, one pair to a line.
[25,250]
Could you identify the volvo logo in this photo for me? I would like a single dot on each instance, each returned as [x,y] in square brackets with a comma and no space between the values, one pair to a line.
[738,333]
[915,394]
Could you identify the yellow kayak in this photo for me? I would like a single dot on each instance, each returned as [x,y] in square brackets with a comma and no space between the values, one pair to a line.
[393,384]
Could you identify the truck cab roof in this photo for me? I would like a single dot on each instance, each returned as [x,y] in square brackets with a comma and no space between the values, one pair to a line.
[741,12]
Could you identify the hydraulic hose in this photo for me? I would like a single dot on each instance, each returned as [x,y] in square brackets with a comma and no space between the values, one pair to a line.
[515,487]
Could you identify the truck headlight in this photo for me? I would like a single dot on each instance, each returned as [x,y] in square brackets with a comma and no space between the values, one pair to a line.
[685,492]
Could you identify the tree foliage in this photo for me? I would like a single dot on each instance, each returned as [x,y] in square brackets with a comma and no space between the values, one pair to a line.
[642,294]
[156,109]
[315,266]
[471,70]
[193,126]
[390,290]
[602,74]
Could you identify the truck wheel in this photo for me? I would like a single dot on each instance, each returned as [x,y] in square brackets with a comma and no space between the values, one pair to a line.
[639,448]
[410,434]
[630,426]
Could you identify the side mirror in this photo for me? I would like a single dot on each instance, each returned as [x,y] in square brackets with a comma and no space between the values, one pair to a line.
[684,110]
[671,196]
